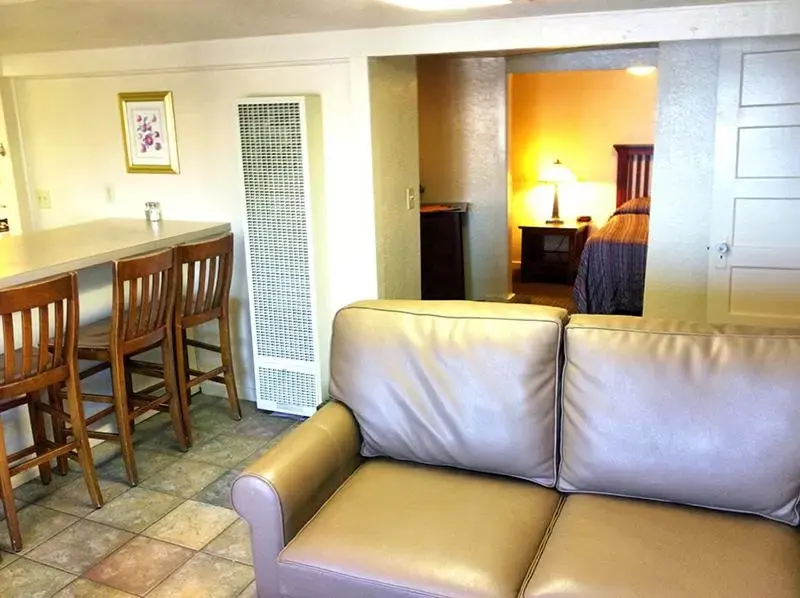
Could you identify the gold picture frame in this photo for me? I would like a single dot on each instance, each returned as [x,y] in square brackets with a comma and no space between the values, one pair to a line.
[148,132]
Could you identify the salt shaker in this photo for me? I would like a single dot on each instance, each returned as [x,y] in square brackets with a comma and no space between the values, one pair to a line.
[152,211]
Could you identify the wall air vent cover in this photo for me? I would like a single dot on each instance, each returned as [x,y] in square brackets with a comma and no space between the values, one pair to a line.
[275,145]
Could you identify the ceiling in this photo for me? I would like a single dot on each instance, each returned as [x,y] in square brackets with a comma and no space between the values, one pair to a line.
[47,25]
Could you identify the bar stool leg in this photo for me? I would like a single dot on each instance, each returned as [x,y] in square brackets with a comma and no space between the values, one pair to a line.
[178,407]
[59,430]
[80,434]
[129,392]
[182,373]
[227,363]
[39,437]
[123,419]
[7,496]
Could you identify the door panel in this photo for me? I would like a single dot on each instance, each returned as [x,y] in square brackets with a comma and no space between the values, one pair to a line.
[754,261]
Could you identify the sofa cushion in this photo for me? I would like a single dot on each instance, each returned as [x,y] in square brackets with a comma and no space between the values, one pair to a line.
[398,529]
[603,547]
[458,383]
[687,413]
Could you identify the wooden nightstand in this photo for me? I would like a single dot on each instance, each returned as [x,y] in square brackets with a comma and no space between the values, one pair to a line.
[552,252]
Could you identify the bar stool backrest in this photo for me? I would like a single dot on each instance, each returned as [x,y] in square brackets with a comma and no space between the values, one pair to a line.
[143,300]
[205,282]
[47,311]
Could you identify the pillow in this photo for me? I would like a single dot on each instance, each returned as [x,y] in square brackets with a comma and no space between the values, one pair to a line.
[686,413]
[638,205]
[462,384]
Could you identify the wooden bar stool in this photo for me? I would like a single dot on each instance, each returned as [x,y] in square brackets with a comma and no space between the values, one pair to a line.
[28,372]
[203,295]
[141,319]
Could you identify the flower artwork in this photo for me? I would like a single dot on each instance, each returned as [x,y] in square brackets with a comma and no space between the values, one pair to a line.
[149,132]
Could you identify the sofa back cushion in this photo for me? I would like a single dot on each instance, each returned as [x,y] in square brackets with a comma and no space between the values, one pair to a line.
[462,384]
[687,413]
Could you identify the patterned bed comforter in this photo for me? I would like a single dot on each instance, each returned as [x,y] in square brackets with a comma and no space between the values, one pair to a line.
[611,274]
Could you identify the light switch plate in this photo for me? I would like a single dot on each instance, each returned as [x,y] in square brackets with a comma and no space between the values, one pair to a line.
[411,198]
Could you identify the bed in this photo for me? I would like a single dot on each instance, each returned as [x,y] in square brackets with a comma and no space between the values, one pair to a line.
[610,277]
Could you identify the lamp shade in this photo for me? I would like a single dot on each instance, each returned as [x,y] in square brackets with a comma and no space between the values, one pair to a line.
[557,173]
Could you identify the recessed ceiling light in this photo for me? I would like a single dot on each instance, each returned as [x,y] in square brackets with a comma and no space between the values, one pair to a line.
[641,71]
[442,5]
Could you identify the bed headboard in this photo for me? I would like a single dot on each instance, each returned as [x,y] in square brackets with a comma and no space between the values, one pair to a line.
[634,171]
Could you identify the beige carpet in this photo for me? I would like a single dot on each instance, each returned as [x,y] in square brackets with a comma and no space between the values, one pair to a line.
[542,293]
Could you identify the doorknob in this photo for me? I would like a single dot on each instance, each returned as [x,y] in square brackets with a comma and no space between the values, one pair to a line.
[723,249]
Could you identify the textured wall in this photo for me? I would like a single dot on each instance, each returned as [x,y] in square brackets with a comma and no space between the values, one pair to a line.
[576,117]
[683,176]
[462,112]
[395,160]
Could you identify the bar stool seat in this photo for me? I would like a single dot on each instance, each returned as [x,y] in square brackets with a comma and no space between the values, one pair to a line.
[142,319]
[95,337]
[27,373]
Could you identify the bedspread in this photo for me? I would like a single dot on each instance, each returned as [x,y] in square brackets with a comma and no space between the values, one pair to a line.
[610,278]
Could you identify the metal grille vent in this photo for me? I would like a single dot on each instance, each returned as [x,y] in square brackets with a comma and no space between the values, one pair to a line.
[277,386]
[273,163]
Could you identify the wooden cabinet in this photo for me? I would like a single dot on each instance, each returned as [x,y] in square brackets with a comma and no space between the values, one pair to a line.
[442,251]
[551,252]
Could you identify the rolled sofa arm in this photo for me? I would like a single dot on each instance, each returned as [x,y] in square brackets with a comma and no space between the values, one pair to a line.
[281,491]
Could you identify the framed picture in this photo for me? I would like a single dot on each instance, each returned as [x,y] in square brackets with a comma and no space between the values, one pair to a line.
[148,130]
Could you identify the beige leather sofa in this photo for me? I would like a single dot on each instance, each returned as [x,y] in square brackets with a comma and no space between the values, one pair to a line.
[483,450]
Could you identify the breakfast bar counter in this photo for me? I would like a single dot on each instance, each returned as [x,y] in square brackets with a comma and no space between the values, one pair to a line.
[32,256]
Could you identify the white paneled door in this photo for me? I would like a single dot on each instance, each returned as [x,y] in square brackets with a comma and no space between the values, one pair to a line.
[754,258]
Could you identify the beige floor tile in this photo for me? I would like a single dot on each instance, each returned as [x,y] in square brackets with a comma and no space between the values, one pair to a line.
[148,463]
[135,510]
[28,579]
[225,451]
[139,565]
[218,492]
[6,558]
[249,592]
[206,576]
[35,490]
[37,524]
[192,524]
[233,543]
[74,497]
[80,546]
[184,478]
[85,588]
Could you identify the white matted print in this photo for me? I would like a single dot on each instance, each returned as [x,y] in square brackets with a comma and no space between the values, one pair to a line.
[148,128]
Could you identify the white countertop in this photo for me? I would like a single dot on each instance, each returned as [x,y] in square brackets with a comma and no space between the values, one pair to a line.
[36,255]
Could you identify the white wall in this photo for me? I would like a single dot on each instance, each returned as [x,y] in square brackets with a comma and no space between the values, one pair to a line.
[683,175]
[395,163]
[462,113]
[73,149]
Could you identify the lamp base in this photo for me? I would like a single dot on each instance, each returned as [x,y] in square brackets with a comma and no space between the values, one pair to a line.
[554,221]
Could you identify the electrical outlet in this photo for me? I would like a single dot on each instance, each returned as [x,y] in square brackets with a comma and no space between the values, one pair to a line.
[411,198]
[43,199]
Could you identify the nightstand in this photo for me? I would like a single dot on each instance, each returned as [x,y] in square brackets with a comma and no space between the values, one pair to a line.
[552,252]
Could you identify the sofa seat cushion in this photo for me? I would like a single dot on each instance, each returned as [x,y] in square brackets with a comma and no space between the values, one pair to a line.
[604,547]
[399,529]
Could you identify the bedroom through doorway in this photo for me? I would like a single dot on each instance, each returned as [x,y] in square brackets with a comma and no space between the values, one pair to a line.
[581,127]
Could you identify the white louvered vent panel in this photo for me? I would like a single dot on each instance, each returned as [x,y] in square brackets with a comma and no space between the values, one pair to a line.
[289,392]
[274,149]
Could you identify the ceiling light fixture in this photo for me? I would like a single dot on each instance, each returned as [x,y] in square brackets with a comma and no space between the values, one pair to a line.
[443,5]
[641,71]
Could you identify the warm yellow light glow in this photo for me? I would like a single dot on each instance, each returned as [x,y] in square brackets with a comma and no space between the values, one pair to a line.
[442,5]
[641,71]
[557,173]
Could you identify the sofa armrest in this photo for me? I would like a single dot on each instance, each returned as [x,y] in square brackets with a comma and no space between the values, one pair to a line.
[281,491]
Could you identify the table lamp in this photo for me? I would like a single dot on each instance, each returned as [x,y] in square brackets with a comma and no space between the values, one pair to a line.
[556,173]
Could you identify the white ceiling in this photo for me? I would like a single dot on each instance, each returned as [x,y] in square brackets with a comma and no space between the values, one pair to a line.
[46,25]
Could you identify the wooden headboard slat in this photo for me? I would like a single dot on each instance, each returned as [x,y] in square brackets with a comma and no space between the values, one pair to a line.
[634,171]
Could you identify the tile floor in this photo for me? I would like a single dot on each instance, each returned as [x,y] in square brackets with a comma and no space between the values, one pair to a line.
[175,534]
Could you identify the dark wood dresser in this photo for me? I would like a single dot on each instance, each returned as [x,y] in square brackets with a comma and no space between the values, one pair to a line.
[442,250]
